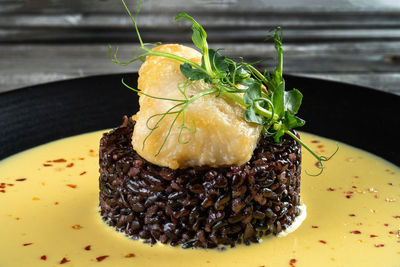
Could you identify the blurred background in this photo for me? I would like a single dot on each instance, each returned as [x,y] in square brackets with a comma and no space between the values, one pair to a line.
[352,41]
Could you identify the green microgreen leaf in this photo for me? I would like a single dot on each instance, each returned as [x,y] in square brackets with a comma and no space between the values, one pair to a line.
[250,115]
[192,73]
[252,92]
[199,34]
[241,75]
[291,121]
[218,63]
[293,100]
[199,38]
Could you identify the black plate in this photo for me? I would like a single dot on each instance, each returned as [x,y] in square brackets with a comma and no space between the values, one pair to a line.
[358,116]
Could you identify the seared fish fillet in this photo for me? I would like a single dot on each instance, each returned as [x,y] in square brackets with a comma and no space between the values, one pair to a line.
[218,136]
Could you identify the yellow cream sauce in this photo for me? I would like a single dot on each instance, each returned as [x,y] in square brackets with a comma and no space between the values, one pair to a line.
[49,215]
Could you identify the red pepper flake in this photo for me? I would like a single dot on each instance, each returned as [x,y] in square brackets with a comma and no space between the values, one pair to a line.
[88,247]
[355,232]
[322,241]
[379,245]
[59,160]
[352,215]
[348,196]
[47,164]
[72,185]
[70,165]
[353,186]
[356,176]
[292,262]
[349,192]
[2,185]
[10,184]
[318,164]
[386,224]
[81,158]
[376,196]
[331,189]
[314,226]
[390,183]
[82,173]
[20,179]
[64,260]
[76,227]
[56,203]
[101,258]
[130,255]
[27,244]
[2,190]
[315,141]
[43,257]
[392,232]
[396,217]
[372,236]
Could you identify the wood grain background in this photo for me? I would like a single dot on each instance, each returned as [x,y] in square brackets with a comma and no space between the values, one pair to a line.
[353,41]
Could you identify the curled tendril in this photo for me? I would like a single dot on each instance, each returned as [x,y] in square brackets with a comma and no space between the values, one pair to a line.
[113,56]
[162,116]
[151,96]
[266,100]
[321,159]
[183,127]
[270,123]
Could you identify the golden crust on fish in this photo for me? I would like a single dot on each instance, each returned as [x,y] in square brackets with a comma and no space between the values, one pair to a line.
[218,135]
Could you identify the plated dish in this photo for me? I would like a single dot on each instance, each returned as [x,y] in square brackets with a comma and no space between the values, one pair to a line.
[210,162]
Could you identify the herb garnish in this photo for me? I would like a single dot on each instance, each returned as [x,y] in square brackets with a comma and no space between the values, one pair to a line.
[262,95]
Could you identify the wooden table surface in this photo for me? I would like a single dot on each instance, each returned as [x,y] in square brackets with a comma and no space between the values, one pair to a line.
[353,41]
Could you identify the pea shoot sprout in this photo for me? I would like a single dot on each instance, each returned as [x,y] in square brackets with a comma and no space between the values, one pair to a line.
[262,95]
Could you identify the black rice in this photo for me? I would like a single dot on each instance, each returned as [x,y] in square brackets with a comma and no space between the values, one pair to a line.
[198,206]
